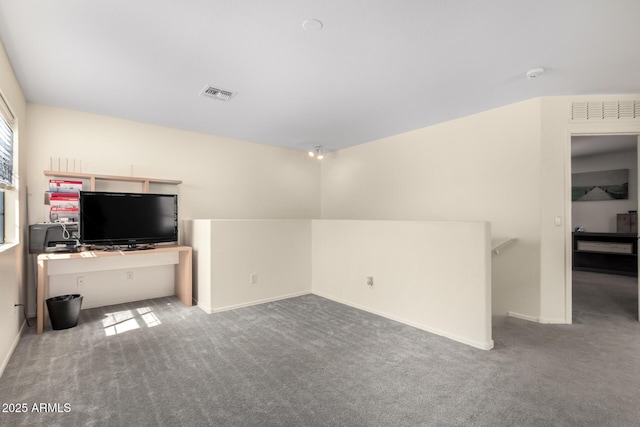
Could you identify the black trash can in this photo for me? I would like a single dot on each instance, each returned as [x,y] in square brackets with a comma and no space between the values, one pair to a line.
[64,311]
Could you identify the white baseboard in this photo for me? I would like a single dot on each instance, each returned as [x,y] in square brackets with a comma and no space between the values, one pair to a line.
[553,321]
[536,319]
[477,344]
[523,316]
[257,302]
[14,344]
[203,307]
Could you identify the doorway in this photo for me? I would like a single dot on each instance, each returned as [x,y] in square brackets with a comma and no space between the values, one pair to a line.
[603,284]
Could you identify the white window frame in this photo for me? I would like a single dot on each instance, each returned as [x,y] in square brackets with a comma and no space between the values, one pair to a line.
[7,137]
[11,191]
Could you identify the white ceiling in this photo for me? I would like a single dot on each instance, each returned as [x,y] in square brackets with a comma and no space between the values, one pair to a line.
[377,68]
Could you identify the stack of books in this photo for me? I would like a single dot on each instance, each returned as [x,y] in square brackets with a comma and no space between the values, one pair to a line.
[62,201]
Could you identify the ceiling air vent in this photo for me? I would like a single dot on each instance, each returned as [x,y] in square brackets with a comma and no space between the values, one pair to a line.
[219,94]
[605,110]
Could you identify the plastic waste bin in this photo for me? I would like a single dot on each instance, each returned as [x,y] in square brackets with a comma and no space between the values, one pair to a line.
[64,311]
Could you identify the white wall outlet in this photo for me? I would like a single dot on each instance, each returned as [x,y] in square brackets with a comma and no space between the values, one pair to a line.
[129,275]
[369,280]
[80,281]
[253,278]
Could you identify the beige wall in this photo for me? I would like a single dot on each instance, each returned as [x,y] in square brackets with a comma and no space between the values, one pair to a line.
[12,266]
[484,167]
[227,253]
[432,275]
[114,280]
[222,177]
[510,166]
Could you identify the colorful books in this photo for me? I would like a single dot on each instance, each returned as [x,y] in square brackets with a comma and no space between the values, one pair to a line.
[62,201]
[64,186]
[64,214]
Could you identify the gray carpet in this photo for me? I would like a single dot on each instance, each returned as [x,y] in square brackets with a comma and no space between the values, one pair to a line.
[308,361]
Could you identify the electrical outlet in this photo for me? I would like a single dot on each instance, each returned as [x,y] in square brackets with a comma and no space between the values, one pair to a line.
[80,281]
[253,278]
[129,275]
[369,280]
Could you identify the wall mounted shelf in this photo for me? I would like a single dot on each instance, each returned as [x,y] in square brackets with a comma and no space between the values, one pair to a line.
[146,182]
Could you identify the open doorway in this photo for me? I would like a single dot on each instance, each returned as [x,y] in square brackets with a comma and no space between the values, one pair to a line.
[604,223]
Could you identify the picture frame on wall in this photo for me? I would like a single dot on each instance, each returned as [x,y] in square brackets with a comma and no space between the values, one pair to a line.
[600,185]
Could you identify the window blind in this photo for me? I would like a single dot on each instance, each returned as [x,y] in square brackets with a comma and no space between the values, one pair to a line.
[2,217]
[6,152]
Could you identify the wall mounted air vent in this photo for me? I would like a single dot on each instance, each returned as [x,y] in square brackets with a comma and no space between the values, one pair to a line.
[219,94]
[605,110]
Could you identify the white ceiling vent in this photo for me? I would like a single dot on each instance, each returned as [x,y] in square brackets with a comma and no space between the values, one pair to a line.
[219,94]
[605,110]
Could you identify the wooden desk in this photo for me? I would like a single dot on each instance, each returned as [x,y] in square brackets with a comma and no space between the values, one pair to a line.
[183,271]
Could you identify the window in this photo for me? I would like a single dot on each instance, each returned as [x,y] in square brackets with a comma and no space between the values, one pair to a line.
[9,221]
[6,152]
[1,216]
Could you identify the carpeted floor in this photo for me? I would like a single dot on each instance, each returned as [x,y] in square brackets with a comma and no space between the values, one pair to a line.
[308,361]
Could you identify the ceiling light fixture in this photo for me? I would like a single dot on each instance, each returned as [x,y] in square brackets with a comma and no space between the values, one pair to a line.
[317,152]
[535,72]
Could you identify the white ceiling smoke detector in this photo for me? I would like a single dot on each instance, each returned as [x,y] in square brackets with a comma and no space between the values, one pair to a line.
[535,72]
[312,25]
[219,94]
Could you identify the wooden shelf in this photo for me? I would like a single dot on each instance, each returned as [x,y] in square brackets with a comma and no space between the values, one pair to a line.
[146,182]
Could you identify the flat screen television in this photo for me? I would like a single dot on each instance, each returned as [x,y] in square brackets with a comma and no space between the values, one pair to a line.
[109,218]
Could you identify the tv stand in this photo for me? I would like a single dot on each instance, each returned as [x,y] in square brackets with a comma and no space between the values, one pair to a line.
[610,253]
[87,261]
[136,248]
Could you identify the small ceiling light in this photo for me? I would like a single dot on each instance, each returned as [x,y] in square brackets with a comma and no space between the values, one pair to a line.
[312,25]
[535,72]
[317,152]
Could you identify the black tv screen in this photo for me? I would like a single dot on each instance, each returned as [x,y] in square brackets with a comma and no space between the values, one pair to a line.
[128,218]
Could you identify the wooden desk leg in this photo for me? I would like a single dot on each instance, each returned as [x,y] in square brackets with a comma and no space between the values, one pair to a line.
[43,281]
[183,279]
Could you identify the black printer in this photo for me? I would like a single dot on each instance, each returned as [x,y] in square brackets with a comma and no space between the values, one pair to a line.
[53,237]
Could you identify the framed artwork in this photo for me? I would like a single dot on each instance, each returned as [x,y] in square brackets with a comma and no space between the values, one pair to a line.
[601,185]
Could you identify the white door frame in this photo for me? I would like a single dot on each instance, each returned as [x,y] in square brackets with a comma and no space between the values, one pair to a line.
[587,129]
